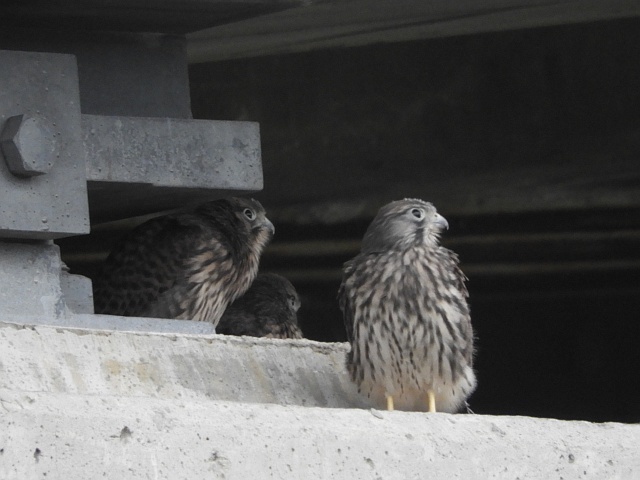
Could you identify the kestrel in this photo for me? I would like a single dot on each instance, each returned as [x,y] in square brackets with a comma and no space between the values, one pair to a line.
[268,309]
[404,302]
[188,265]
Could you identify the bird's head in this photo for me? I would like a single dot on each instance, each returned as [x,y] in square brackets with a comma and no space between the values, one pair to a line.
[252,214]
[253,219]
[268,309]
[243,221]
[275,290]
[404,223]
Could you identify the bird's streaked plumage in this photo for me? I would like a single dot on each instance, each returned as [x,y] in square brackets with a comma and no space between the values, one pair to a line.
[188,265]
[268,309]
[404,302]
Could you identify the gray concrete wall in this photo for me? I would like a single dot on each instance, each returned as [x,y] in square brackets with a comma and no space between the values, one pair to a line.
[80,404]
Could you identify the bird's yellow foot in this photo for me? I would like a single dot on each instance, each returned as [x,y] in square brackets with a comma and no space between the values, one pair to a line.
[389,403]
[431,400]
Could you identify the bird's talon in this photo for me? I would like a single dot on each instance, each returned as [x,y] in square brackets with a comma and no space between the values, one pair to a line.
[389,403]
[431,399]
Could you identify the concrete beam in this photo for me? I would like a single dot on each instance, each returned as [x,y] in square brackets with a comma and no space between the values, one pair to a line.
[30,281]
[172,152]
[125,74]
[43,88]
[144,165]
[321,25]
[89,404]
[167,16]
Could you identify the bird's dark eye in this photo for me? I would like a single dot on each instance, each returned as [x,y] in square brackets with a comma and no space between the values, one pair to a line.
[416,212]
[250,214]
[292,301]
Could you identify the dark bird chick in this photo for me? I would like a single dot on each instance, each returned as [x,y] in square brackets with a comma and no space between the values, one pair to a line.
[187,265]
[268,309]
[404,302]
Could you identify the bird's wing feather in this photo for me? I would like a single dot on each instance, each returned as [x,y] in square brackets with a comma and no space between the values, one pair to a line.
[458,275]
[239,322]
[344,298]
[148,265]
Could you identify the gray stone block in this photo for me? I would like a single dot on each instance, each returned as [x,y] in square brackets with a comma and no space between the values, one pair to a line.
[143,165]
[119,73]
[77,292]
[142,75]
[54,204]
[30,281]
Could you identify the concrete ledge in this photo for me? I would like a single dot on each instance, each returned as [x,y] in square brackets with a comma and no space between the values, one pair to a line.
[80,403]
[78,437]
[112,323]
[173,366]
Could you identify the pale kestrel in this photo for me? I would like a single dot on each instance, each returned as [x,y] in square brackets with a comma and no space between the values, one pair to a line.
[404,302]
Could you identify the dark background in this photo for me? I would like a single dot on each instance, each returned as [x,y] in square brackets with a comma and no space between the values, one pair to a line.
[527,142]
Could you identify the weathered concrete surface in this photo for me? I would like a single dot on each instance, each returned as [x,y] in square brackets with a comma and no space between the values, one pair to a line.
[30,281]
[53,205]
[173,152]
[84,436]
[142,75]
[79,404]
[173,366]
[110,323]
[137,165]
[77,292]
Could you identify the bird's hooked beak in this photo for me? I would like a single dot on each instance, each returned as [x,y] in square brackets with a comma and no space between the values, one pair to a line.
[268,226]
[441,222]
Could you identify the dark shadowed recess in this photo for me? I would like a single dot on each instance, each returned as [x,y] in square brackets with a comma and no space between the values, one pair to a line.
[527,141]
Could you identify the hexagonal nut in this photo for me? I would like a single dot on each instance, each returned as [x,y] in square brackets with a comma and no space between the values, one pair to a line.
[28,145]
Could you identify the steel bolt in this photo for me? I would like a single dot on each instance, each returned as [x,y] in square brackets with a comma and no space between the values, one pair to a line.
[28,146]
